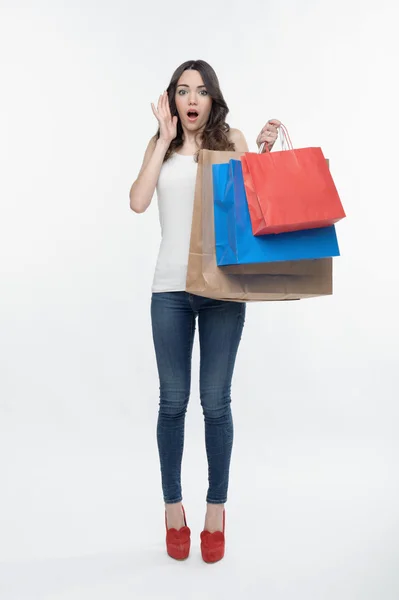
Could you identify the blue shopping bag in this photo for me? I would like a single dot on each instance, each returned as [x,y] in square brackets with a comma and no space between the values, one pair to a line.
[235,242]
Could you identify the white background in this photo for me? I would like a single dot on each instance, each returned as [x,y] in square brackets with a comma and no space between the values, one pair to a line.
[313,500]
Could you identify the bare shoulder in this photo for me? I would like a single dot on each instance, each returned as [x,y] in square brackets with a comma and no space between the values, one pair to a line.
[238,139]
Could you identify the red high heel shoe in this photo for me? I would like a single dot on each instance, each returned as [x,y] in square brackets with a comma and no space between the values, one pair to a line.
[178,541]
[213,544]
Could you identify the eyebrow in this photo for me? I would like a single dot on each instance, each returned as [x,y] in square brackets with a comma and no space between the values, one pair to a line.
[185,85]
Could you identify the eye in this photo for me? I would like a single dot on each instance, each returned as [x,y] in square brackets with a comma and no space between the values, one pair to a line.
[203,92]
[181,92]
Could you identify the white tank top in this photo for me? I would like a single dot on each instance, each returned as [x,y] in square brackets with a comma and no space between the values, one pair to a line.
[175,192]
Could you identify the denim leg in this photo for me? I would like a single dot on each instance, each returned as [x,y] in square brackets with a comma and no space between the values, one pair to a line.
[220,328]
[173,326]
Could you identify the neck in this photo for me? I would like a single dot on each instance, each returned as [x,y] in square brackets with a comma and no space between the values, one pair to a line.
[192,138]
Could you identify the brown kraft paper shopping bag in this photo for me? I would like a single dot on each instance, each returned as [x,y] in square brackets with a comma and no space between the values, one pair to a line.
[290,280]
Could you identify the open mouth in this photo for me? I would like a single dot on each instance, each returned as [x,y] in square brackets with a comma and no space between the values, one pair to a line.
[192,115]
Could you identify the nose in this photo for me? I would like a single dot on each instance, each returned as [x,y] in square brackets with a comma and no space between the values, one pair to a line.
[192,99]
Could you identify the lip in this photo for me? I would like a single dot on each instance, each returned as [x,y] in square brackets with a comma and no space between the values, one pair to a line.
[193,119]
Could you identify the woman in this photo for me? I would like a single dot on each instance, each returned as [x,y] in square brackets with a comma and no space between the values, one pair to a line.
[191,115]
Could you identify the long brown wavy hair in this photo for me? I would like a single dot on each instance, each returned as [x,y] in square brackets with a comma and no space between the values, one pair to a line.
[214,136]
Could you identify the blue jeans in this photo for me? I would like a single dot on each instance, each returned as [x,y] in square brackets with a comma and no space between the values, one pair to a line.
[220,326]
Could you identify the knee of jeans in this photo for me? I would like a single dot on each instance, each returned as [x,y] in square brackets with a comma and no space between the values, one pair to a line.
[215,401]
[173,401]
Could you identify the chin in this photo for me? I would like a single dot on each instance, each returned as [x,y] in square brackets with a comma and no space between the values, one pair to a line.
[194,126]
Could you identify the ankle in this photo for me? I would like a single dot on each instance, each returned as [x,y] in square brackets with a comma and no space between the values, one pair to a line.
[174,515]
[174,507]
[214,508]
[214,517]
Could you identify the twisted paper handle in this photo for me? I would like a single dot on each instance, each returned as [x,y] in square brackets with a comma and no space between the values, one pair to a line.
[285,139]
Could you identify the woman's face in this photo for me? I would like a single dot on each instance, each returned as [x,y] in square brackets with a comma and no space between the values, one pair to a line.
[193,102]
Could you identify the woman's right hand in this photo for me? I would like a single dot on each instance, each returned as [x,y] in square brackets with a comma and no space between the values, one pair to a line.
[167,123]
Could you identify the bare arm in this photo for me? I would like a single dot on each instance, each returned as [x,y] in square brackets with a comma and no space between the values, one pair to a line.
[142,190]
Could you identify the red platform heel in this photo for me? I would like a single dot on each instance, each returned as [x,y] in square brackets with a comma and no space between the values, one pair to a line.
[178,541]
[213,544]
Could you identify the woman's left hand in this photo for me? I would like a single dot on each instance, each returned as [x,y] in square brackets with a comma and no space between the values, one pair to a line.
[268,134]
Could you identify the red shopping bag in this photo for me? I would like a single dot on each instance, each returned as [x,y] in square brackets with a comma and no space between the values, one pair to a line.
[290,190]
[257,220]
